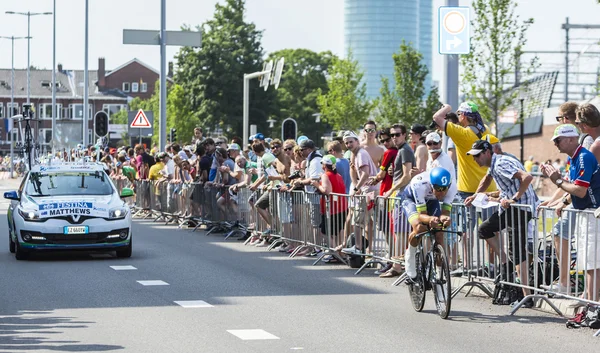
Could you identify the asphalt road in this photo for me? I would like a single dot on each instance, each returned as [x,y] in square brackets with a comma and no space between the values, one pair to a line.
[76,302]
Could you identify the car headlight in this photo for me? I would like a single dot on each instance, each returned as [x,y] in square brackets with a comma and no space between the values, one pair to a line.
[117,213]
[29,215]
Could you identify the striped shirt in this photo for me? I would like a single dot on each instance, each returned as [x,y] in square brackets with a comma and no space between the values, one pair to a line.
[503,169]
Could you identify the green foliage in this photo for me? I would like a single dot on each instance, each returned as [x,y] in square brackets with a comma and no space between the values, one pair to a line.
[496,49]
[345,106]
[410,74]
[387,105]
[212,77]
[432,105]
[304,74]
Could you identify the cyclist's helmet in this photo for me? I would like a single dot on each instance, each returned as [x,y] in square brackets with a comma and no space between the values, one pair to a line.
[440,177]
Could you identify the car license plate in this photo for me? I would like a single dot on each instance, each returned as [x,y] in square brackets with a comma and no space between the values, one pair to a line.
[76,230]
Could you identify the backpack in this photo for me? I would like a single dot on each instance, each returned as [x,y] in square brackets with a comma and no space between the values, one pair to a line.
[545,272]
[588,317]
[356,261]
[505,294]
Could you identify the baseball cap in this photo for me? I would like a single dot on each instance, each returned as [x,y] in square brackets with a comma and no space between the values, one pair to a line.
[329,160]
[468,107]
[566,130]
[268,158]
[268,140]
[300,139]
[259,136]
[417,129]
[234,147]
[478,147]
[433,136]
[251,138]
[307,143]
[350,135]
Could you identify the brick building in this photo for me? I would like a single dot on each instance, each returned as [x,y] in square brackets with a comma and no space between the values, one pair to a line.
[109,90]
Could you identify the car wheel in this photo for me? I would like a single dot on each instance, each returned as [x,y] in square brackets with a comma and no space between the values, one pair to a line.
[127,251]
[11,243]
[20,253]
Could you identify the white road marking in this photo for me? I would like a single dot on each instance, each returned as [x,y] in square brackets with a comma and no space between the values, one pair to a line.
[255,334]
[123,268]
[193,304]
[153,283]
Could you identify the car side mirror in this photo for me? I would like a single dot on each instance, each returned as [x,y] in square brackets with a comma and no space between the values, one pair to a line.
[126,192]
[12,195]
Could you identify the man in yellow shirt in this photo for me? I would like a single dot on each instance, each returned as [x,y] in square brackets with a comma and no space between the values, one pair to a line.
[156,169]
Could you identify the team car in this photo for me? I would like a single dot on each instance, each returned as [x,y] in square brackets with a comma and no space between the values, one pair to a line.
[68,206]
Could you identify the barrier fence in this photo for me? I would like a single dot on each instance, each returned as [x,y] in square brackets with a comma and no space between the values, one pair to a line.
[538,253]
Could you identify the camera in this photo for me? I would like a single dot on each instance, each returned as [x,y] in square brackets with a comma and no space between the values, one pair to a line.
[295,175]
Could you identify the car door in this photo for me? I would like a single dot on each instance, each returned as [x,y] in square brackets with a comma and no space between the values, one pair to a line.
[13,206]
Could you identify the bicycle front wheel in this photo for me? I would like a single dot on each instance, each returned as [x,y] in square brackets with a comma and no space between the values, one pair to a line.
[416,287]
[441,282]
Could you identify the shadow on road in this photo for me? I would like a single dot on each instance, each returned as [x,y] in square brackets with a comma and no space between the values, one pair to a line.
[33,330]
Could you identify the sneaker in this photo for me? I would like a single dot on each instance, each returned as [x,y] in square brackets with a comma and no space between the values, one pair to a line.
[410,262]
[255,240]
[262,244]
[557,288]
[351,250]
[384,269]
[315,252]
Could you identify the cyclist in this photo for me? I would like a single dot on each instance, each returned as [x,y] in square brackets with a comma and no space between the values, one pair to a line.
[421,204]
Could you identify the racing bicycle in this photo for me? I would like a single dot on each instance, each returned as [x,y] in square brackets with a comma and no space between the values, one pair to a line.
[433,273]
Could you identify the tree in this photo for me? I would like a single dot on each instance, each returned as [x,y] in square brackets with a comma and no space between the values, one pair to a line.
[387,105]
[212,77]
[345,106]
[304,73]
[410,74]
[432,105]
[496,49]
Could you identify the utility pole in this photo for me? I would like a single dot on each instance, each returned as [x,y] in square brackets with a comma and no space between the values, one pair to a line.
[566,27]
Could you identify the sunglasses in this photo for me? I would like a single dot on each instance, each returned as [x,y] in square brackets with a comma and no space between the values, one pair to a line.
[556,141]
[288,149]
[559,118]
[275,146]
[431,143]
[302,149]
[370,131]
[384,140]
[440,188]
[398,134]
[330,151]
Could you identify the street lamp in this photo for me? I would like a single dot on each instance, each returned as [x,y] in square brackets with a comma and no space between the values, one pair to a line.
[12,99]
[28,14]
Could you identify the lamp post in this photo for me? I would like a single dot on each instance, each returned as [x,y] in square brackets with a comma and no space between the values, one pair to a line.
[522,95]
[28,14]
[12,99]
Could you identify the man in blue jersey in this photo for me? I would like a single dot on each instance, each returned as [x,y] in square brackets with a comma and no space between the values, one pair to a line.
[583,184]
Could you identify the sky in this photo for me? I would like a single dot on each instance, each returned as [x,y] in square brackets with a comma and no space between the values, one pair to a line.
[313,24]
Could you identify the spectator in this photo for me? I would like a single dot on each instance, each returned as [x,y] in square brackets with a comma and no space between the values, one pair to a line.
[418,146]
[370,143]
[588,121]
[335,149]
[528,164]
[515,188]
[583,185]
[404,162]
[197,139]
[453,118]
[383,176]
[157,170]
[264,160]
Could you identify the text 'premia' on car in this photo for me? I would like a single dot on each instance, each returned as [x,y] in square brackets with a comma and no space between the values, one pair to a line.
[68,206]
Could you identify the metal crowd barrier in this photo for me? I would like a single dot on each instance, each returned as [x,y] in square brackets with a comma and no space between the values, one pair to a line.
[554,250]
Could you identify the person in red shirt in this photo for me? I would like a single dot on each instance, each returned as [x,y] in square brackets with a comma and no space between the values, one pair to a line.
[387,162]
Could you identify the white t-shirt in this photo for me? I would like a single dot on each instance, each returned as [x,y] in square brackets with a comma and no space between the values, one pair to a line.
[444,161]
[363,158]
[170,167]
[313,170]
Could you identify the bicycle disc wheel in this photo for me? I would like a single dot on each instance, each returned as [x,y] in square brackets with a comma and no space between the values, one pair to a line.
[416,287]
[441,282]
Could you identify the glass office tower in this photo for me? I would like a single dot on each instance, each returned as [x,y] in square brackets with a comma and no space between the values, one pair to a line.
[374,30]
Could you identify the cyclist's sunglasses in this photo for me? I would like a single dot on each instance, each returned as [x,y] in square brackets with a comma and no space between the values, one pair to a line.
[440,188]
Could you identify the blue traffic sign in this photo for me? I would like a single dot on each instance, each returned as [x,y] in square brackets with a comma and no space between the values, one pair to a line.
[454,30]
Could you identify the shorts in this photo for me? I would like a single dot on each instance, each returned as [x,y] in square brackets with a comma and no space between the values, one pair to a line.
[565,226]
[264,201]
[516,222]
[315,215]
[284,207]
[336,223]
[410,208]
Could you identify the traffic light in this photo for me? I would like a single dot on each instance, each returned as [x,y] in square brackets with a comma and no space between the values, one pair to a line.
[173,135]
[289,129]
[101,124]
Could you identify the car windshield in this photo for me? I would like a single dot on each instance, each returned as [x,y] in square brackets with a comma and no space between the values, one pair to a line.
[68,183]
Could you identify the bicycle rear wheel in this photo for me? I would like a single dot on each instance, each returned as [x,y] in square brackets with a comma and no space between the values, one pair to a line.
[441,282]
[416,287]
